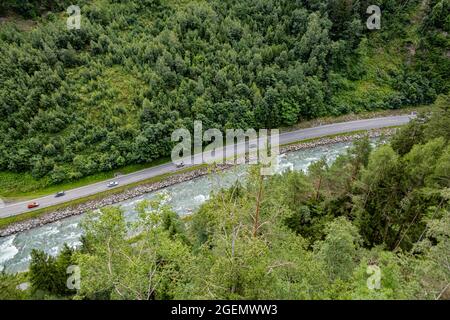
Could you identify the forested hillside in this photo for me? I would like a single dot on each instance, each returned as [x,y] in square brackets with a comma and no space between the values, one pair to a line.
[374,224]
[77,102]
[32,8]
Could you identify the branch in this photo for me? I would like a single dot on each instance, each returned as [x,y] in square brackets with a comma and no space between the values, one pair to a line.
[443,291]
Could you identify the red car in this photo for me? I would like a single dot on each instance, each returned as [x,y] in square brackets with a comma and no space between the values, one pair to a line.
[33,205]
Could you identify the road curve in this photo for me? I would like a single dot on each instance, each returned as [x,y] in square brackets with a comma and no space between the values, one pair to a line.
[287,137]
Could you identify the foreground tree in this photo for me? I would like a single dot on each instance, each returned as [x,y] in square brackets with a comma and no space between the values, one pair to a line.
[115,266]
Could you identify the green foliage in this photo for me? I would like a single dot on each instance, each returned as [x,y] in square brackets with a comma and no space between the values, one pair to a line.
[339,250]
[434,246]
[149,267]
[8,287]
[398,188]
[74,103]
[372,225]
[79,102]
[31,8]
[48,274]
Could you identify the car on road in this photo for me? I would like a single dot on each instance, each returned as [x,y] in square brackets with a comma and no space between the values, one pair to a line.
[33,205]
[60,194]
[113,184]
[180,165]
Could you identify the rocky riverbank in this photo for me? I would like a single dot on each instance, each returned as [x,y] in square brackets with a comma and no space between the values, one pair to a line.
[177,178]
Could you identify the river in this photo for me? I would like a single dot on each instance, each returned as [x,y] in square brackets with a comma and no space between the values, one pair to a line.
[185,198]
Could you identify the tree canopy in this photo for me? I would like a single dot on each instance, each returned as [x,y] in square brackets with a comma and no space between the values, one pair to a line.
[78,102]
[374,224]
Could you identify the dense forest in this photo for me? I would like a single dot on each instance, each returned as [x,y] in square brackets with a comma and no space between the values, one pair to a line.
[77,102]
[32,8]
[322,234]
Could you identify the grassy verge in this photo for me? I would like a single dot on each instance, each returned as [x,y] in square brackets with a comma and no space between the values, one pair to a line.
[356,116]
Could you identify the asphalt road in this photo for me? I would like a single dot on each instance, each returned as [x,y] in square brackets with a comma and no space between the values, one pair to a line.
[288,137]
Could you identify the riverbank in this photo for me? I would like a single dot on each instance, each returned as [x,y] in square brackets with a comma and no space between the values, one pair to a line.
[132,192]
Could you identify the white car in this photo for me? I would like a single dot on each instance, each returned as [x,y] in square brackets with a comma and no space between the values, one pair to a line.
[113,184]
[180,165]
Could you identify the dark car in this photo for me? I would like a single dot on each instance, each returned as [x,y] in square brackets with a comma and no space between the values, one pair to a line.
[60,194]
[113,184]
